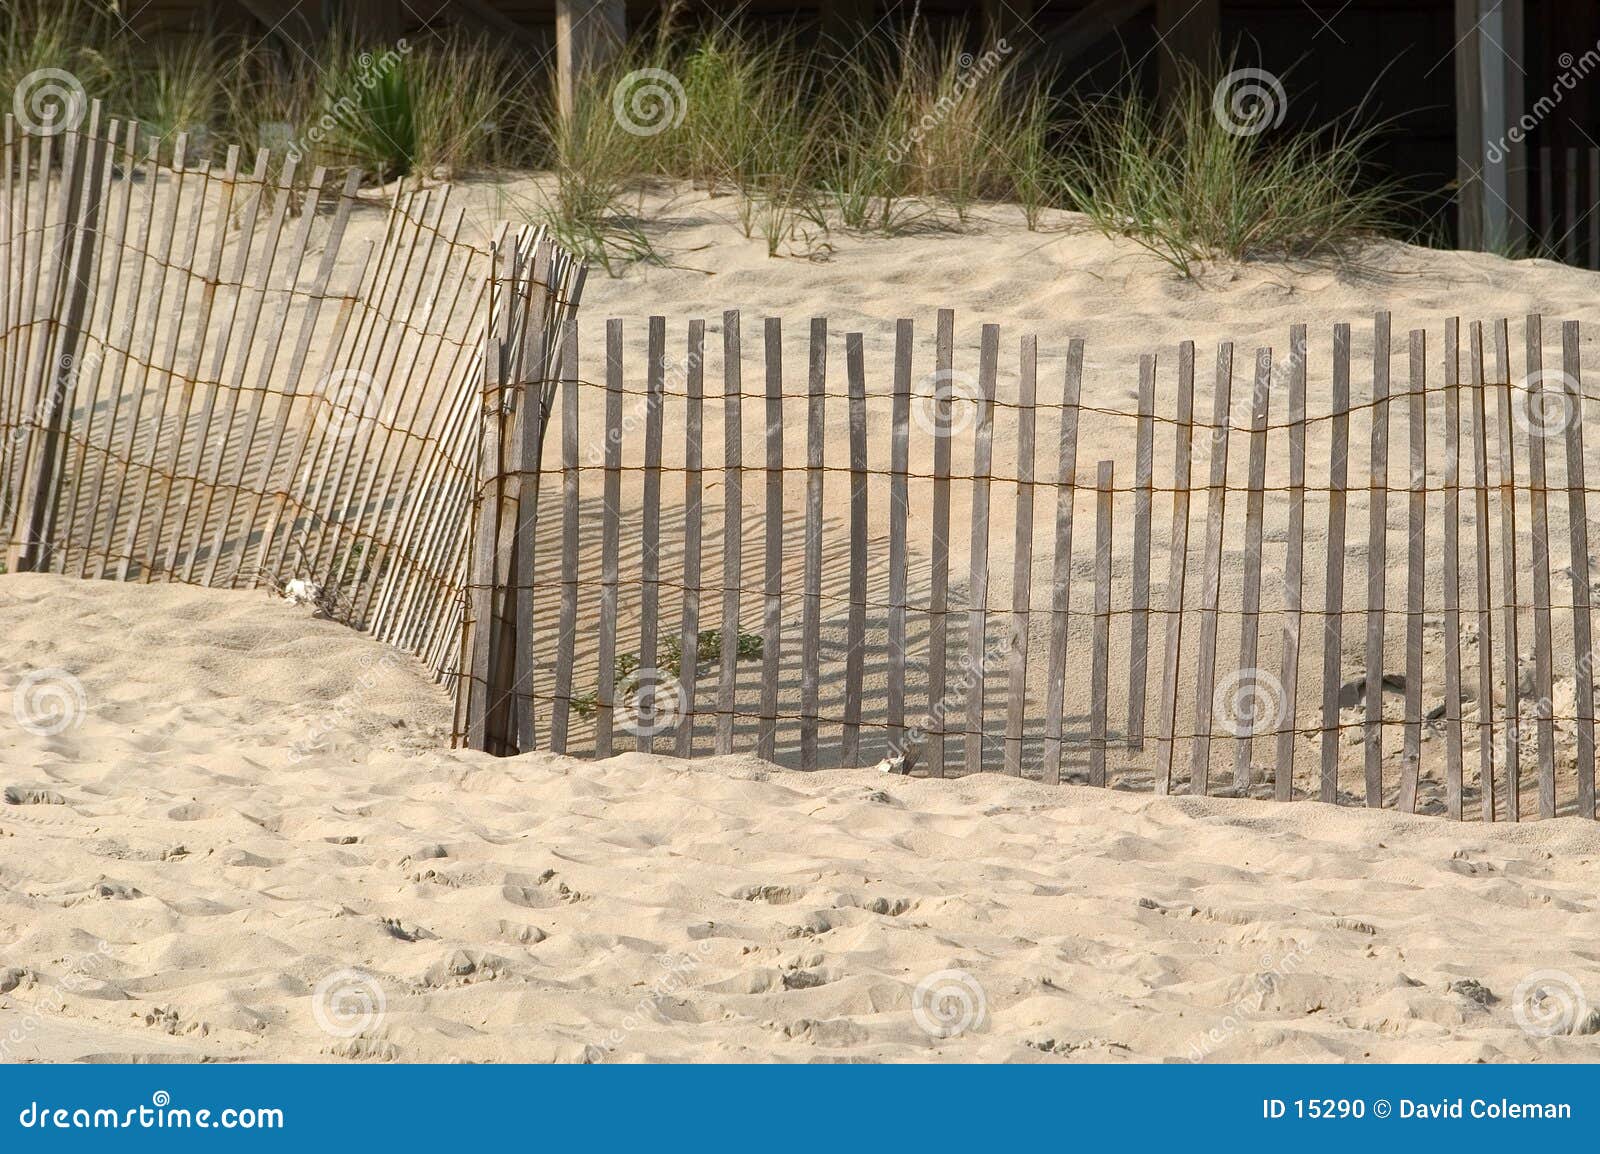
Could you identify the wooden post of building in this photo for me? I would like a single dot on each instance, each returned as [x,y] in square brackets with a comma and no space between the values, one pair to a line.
[1470,145]
[589,33]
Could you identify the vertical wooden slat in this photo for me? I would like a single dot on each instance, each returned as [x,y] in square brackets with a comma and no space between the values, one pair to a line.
[1482,591]
[481,688]
[732,526]
[939,560]
[1333,594]
[856,625]
[1454,755]
[1416,567]
[1570,245]
[610,545]
[1139,597]
[1548,410]
[1252,683]
[1510,650]
[1594,208]
[1211,587]
[811,602]
[693,463]
[646,717]
[772,608]
[1377,560]
[1177,565]
[571,510]
[1578,523]
[899,507]
[1293,568]
[1100,661]
[1022,558]
[530,432]
[1547,208]
[1061,573]
[978,563]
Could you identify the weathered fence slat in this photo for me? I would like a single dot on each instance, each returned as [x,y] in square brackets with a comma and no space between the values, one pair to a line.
[1061,574]
[1537,400]
[1021,558]
[772,604]
[1139,597]
[899,512]
[1105,499]
[571,511]
[1177,566]
[1211,587]
[693,452]
[732,526]
[610,545]
[1377,561]
[978,567]
[1416,566]
[1247,689]
[856,624]
[1293,569]
[1454,751]
[645,696]
[1578,522]
[1509,650]
[1333,591]
[811,602]
[939,560]
[1482,591]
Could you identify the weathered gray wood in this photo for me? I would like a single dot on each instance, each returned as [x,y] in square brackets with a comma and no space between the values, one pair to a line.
[693,463]
[1510,650]
[856,624]
[899,507]
[1333,595]
[1293,569]
[526,466]
[1177,566]
[772,606]
[1578,524]
[811,602]
[1022,558]
[1252,685]
[978,564]
[1454,753]
[1100,661]
[610,545]
[571,510]
[484,635]
[939,558]
[1548,409]
[1416,567]
[1061,573]
[1482,592]
[1210,590]
[1377,560]
[1594,217]
[647,719]
[1139,597]
[732,526]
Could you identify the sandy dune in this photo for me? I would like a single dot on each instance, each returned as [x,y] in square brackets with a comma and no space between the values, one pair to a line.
[243,843]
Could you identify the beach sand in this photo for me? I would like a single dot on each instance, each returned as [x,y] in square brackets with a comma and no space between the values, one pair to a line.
[247,843]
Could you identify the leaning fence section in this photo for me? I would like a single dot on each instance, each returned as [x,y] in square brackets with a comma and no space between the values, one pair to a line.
[204,378]
[836,549]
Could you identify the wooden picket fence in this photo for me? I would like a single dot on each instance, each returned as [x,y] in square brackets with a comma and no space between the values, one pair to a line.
[837,632]
[202,379]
